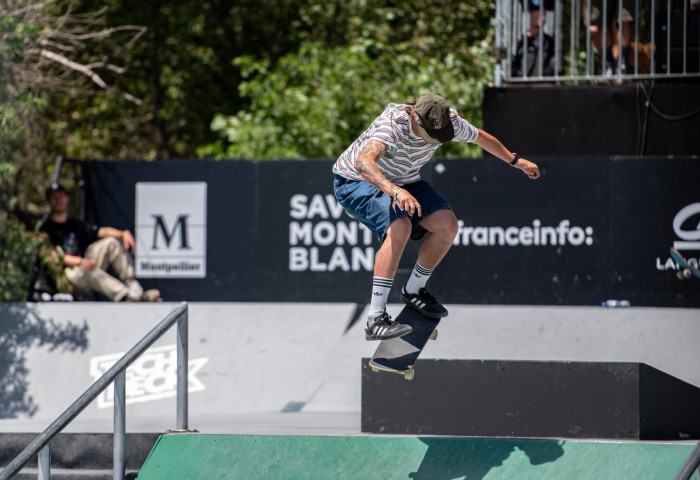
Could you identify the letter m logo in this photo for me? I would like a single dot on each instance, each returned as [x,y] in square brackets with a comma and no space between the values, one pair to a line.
[171,230]
[178,231]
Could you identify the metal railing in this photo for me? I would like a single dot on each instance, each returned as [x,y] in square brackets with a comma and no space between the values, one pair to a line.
[556,40]
[690,466]
[117,373]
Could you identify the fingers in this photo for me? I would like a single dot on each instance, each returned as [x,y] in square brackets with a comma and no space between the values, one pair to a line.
[530,169]
[129,241]
[87,264]
[408,203]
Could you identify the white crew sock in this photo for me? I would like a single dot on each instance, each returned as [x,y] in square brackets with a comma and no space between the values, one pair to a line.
[380,292]
[419,277]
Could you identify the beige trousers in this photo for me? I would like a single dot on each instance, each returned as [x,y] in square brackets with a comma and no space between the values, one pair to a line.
[106,252]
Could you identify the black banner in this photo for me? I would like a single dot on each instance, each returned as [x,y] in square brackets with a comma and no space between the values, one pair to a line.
[111,200]
[590,229]
[523,241]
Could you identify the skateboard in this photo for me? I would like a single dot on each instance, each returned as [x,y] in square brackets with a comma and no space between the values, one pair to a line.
[397,355]
[687,270]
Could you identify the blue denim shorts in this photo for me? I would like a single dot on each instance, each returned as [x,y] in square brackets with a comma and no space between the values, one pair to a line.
[376,210]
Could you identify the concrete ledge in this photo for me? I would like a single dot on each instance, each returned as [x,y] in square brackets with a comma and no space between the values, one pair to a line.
[262,358]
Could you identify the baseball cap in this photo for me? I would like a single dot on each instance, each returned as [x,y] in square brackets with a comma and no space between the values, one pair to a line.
[55,187]
[433,118]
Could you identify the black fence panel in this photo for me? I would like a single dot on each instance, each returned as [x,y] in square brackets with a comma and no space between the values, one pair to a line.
[228,227]
[526,242]
[591,228]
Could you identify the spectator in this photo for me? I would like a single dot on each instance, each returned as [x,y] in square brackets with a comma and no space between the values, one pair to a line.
[526,60]
[612,32]
[89,251]
[533,6]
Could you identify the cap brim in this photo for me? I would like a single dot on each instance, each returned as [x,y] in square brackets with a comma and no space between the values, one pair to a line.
[443,135]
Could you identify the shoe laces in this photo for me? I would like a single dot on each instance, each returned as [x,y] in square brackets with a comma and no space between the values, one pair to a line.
[423,294]
[383,319]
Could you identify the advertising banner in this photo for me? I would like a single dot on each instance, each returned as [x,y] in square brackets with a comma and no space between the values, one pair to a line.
[309,249]
[655,205]
[591,229]
[171,228]
[194,223]
[522,241]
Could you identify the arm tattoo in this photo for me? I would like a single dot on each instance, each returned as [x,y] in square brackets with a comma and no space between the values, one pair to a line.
[366,165]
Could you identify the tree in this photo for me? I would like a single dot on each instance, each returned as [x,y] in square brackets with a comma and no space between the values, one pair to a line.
[313,102]
[42,51]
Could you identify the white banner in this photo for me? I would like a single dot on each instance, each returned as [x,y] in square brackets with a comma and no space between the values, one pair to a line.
[171,230]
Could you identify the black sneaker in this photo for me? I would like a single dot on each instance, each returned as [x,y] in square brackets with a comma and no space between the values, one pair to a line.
[424,302]
[383,327]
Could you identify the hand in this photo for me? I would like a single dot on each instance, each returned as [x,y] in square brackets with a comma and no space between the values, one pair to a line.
[530,169]
[129,241]
[87,264]
[408,203]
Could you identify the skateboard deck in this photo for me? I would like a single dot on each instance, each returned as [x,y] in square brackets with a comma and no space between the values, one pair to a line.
[398,355]
[686,271]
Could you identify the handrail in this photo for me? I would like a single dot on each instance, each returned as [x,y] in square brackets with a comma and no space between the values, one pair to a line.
[179,315]
[690,465]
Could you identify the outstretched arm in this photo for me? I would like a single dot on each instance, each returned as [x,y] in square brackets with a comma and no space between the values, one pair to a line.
[492,145]
[366,165]
[124,235]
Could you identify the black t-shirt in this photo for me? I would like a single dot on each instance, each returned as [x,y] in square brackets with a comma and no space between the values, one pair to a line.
[73,236]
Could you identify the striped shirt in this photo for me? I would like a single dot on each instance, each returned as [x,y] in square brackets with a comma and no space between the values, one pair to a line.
[406,152]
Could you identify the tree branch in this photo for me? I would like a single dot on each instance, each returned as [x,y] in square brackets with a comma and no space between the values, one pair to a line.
[85,70]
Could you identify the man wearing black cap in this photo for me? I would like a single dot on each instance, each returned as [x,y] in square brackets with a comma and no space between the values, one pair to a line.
[377,181]
[89,251]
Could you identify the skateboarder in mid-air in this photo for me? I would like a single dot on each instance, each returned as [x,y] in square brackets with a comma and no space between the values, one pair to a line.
[377,181]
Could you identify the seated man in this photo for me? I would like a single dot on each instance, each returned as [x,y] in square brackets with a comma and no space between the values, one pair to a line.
[90,251]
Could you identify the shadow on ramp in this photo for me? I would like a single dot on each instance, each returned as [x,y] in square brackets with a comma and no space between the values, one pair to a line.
[475,458]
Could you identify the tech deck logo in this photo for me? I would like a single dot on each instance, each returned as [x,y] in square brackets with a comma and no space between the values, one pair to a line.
[152,376]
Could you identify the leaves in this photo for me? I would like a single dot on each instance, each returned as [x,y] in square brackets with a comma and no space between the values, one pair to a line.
[316,101]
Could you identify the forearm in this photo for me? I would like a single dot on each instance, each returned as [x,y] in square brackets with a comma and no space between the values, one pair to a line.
[492,145]
[105,232]
[366,165]
[71,260]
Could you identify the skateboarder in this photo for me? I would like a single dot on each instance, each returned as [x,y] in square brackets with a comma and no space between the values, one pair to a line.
[377,181]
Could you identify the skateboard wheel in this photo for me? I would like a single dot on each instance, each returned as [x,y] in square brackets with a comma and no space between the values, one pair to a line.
[375,369]
[433,336]
[408,375]
[687,273]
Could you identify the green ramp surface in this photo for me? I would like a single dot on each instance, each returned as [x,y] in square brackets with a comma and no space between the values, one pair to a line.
[185,456]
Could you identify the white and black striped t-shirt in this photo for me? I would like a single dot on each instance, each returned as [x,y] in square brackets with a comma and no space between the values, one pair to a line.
[406,152]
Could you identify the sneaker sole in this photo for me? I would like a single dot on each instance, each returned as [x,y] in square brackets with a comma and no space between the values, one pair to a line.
[427,314]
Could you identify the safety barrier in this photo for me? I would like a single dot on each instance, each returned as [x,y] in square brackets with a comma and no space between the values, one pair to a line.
[553,40]
[117,373]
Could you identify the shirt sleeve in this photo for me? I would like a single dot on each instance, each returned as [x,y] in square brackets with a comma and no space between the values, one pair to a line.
[464,131]
[89,231]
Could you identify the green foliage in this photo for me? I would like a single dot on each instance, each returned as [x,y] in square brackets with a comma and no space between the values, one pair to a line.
[214,78]
[19,251]
[316,101]
[358,57]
